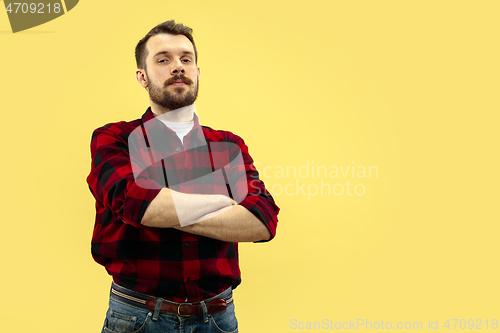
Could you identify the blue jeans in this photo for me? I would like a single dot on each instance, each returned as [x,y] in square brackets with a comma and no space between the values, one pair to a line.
[123,317]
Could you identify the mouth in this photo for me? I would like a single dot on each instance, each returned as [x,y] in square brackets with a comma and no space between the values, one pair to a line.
[177,83]
[179,80]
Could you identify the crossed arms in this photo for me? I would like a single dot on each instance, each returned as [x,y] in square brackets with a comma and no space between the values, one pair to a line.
[214,216]
[142,202]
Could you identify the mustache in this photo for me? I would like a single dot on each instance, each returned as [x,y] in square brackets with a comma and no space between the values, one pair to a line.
[178,77]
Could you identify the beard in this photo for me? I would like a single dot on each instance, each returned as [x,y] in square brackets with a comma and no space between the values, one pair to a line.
[179,97]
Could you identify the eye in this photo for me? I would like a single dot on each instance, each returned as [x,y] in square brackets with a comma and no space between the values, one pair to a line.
[186,60]
[162,61]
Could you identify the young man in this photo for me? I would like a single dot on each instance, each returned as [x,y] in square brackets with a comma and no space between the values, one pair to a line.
[173,199]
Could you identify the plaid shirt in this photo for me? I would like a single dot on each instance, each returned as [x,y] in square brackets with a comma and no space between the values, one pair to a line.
[126,175]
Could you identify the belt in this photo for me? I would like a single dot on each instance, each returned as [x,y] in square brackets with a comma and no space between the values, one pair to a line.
[182,309]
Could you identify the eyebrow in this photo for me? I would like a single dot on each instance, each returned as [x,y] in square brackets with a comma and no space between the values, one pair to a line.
[167,52]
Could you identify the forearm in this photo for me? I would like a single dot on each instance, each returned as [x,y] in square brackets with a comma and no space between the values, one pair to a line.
[169,207]
[229,224]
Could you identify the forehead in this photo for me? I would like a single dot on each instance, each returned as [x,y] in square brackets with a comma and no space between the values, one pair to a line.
[171,43]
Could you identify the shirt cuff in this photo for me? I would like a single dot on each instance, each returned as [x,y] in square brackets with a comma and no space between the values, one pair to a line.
[266,211]
[139,196]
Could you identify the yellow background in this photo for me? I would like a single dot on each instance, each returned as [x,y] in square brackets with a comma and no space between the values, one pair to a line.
[408,87]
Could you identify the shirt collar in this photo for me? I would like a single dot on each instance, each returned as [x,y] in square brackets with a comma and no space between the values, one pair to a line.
[149,121]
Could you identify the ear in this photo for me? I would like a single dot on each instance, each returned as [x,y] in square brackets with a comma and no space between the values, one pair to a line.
[199,73]
[141,77]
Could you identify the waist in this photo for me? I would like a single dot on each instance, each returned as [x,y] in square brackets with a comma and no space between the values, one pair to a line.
[213,304]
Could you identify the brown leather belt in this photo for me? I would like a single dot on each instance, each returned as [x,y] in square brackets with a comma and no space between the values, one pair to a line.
[182,309]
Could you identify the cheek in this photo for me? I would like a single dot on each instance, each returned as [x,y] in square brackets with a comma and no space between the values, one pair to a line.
[192,72]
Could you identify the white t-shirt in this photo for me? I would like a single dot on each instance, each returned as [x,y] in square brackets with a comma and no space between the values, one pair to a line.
[181,129]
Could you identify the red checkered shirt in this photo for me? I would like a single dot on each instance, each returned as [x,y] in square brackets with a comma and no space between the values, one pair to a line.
[166,262]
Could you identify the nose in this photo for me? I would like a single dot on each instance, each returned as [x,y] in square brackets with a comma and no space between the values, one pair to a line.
[178,69]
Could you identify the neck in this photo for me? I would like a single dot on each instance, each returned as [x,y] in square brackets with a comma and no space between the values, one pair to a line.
[180,115]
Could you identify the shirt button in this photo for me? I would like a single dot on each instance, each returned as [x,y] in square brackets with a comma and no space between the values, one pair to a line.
[186,244]
[178,149]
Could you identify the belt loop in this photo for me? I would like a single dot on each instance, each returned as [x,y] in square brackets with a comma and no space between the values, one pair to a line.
[157,309]
[205,311]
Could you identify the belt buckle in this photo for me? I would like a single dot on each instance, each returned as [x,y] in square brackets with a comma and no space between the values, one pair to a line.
[179,309]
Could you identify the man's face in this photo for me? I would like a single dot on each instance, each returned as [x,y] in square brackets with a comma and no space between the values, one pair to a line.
[171,72]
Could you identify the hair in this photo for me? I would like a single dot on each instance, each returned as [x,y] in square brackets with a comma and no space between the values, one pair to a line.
[168,27]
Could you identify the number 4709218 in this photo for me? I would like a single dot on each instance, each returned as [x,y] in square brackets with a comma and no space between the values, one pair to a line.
[33,8]
[471,323]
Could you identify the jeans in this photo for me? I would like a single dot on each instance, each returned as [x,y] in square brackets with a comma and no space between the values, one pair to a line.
[123,317]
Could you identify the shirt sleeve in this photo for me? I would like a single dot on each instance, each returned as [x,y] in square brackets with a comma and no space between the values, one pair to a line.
[112,180]
[258,200]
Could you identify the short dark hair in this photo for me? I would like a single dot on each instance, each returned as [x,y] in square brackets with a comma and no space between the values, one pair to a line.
[168,27]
